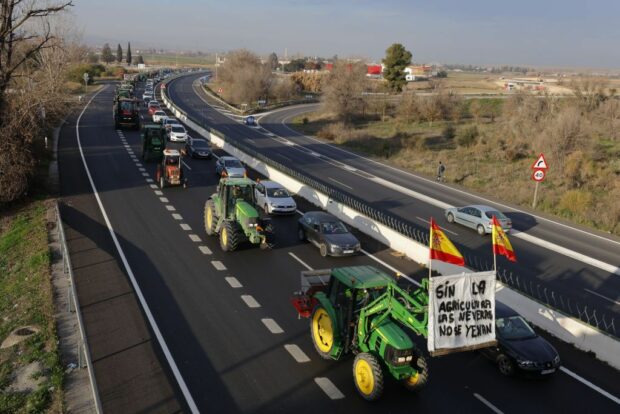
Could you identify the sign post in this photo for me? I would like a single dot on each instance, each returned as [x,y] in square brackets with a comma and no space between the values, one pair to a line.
[86,78]
[540,171]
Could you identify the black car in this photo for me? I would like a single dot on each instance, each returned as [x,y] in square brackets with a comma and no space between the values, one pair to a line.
[328,233]
[519,348]
[197,148]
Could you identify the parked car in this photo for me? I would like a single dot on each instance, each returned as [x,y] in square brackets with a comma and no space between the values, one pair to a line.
[168,122]
[231,166]
[177,133]
[274,198]
[197,148]
[477,217]
[328,233]
[519,348]
[153,108]
[159,116]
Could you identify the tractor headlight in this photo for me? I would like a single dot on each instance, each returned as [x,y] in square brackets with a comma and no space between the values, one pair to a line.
[398,356]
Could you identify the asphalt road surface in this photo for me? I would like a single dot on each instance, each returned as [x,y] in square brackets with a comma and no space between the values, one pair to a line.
[227,319]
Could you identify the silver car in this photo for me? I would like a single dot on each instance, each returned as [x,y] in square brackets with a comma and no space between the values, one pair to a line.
[477,217]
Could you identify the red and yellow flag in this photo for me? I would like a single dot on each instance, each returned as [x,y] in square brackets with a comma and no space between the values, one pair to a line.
[501,244]
[441,248]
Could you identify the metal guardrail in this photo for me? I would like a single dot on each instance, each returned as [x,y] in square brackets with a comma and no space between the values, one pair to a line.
[84,358]
[593,317]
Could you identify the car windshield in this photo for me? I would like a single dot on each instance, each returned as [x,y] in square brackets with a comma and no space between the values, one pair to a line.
[333,227]
[178,128]
[127,106]
[199,144]
[514,327]
[232,164]
[160,113]
[277,193]
[498,214]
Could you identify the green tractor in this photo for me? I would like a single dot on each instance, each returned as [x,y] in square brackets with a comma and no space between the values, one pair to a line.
[153,141]
[363,311]
[232,213]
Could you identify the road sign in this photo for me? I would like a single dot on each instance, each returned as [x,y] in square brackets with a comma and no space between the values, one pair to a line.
[220,90]
[538,175]
[540,164]
[86,76]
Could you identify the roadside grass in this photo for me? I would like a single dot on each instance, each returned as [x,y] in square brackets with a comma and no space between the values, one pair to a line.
[26,300]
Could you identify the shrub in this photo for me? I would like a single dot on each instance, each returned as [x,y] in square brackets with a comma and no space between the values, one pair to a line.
[468,136]
[449,132]
[577,202]
[76,73]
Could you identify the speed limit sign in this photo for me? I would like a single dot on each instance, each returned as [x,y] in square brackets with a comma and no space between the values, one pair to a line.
[538,175]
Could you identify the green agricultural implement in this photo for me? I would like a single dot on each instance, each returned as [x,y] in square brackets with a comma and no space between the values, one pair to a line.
[153,141]
[363,311]
[232,213]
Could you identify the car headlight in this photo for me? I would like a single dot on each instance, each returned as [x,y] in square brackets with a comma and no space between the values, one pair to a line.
[526,364]
[272,204]
[334,248]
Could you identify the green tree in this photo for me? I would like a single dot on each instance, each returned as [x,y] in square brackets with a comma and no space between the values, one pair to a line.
[273,61]
[140,60]
[397,58]
[128,53]
[119,53]
[106,54]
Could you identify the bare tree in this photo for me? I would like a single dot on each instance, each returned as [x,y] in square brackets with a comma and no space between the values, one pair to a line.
[343,90]
[243,78]
[590,91]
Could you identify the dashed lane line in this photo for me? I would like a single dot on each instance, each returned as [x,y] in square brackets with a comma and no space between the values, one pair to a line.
[250,301]
[150,180]
[329,388]
[304,264]
[488,404]
[170,208]
[145,174]
[186,227]
[204,249]
[233,282]
[218,265]
[153,186]
[272,325]
[177,216]
[141,169]
[297,354]
[163,199]
[195,238]
[158,192]
[188,167]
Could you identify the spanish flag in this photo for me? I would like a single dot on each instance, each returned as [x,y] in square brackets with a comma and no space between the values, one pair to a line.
[441,248]
[501,244]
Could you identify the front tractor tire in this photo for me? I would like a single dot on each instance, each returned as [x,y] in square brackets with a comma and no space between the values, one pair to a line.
[420,378]
[210,219]
[322,332]
[368,376]
[230,236]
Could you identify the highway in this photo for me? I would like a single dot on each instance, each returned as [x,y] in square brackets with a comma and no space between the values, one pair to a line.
[226,318]
[578,263]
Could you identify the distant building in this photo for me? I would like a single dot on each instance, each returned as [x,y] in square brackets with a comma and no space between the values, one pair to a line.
[418,72]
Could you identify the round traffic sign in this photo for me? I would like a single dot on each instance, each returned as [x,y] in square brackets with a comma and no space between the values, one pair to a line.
[220,90]
[538,175]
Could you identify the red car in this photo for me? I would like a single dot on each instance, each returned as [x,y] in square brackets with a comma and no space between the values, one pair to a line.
[153,108]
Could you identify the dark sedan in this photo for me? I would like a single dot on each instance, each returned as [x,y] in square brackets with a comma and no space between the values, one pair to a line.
[328,233]
[197,148]
[519,348]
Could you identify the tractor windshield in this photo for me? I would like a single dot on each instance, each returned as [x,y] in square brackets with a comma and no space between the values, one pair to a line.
[242,193]
[333,227]
[172,160]
[127,106]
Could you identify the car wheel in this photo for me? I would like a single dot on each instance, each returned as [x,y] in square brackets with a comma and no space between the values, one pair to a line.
[162,182]
[301,234]
[450,218]
[323,249]
[480,230]
[505,365]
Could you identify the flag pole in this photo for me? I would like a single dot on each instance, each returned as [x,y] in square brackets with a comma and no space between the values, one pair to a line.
[493,237]
[430,246]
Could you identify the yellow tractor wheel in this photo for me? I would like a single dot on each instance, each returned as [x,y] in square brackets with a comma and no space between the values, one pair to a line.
[368,376]
[209,218]
[420,378]
[322,330]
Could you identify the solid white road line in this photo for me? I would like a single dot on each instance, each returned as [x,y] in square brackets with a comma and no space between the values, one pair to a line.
[158,192]
[218,265]
[233,282]
[392,268]
[195,238]
[604,297]
[304,264]
[272,325]
[147,311]
[296,352]
[188,167]
[329,388]
[488,404]
[170,208]
[428,222]
[163,199]
[341,183]
[185,227]
[250,301]
[589,384]
[177,216]
[204,249]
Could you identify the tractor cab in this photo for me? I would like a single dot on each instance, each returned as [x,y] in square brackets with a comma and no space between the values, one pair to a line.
[170,169]
[153,141]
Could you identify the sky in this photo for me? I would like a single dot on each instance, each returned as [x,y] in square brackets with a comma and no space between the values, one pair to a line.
[544,33]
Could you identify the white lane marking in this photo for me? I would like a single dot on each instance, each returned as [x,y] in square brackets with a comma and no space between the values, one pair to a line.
[272,325]
[177,216]
[147,311]
[339,182]
[204,249]
[601,296]
[170,208]
[296,352]
[163,199]
[329,388]
[348,167]
[218,265]
[304,264]
[392,268]
[154,186]
[188,167]
[250,301]
[589,384]
[157,192]
[150,180]
[233,282]
[488,404]
[315,154]
[185,227]
[443,228]
[141,169]
[145,174]
[195,238]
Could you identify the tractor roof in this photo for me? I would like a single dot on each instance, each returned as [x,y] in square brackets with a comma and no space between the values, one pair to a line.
[236,181]
[171,152]
[152,126]
[362,277]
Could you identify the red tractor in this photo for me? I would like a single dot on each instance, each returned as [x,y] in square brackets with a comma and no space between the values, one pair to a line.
[170,169]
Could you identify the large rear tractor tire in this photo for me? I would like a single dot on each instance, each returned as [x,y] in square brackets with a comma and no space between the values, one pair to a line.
[420,378]
[322,332]
[230,236]
[368,376]
[210,219]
